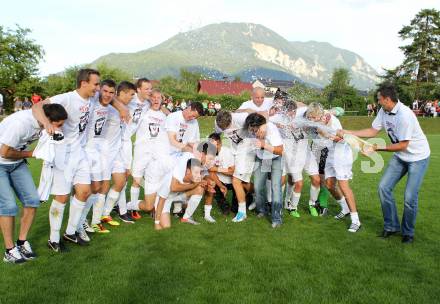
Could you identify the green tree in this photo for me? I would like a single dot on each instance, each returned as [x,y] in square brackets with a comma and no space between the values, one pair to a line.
[340,93]
[19,58]
[422,55]
[304,93]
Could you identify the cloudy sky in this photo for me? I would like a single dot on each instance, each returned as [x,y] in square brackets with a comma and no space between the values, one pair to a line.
[76,32]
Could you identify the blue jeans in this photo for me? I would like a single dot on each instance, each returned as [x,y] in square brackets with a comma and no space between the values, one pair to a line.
[16,178]
[396,169]
[263,167]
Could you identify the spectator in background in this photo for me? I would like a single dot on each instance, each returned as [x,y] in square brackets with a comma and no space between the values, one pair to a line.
[170,105]
[415,104]
[217,107]
[183,104]
[1,104]
[205,107]
[27,104]
[369,110]
[211,110]
[36,98]
[18,104]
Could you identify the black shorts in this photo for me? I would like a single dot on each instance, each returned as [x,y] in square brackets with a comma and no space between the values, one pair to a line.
[322,160]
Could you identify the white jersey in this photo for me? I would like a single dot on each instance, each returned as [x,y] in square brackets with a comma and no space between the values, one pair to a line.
[223,161]
[273,138]
[78,110]
[18,131]
[250,105]
[151,135]
[136,107]
[288,130]
[402,124]
[236,133]
[98,117]
[186,131]
[112,132]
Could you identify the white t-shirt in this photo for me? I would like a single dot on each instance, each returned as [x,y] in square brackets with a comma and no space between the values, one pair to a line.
[223,161]
[235,133]
[136,107]
[98,117]
[273,138]
[78,110]
[151,135]
[250,105]
[113,129]
[402,124]
[186,131]
[18,131]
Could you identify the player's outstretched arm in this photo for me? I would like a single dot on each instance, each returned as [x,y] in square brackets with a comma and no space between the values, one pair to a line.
[176,186]
[368,133]
[10,153]
[38,113]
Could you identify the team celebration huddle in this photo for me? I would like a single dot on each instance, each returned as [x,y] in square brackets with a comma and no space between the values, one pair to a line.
[103,137]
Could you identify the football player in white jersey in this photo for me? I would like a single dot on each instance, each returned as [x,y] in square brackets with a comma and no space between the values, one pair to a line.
[96,148]
[151,159]
[113,130]
[338,164]
[232,126]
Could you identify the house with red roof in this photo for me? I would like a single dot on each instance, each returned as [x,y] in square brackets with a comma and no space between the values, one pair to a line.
[218,87]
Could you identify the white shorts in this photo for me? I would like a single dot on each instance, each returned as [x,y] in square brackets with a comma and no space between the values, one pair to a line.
[339,163]
[296,163]
[99,167]
[244,161]
[173,197]
[61,186]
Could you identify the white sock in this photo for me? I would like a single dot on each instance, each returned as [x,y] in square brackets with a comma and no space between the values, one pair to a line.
[344,207]
[110,201]
[354,218]
[90,201]
[75,211]
[314,192]
[56,213]
[208,210]
[134,194]
[242,207]
[133,205]
[295,199]
[269,190]
[193,202]
[177,207]
[98,208]
[122,201]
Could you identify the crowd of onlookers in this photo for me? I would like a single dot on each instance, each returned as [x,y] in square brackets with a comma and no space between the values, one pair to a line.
[210,108]
[26,103]
[427,108]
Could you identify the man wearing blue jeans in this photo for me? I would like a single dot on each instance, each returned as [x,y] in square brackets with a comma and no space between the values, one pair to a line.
[411,157]
[16,132]
[269,148]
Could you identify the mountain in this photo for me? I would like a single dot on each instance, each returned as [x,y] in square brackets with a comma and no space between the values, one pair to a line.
[246,50]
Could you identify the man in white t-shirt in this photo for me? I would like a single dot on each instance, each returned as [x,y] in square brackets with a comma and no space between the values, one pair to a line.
[232,126]
[297,157]
[17,132]
[113,130]
[151,160]
[184,183]
[1,104]
[221,173]
[411,156]
[258,103]
[339,162]
[268,145]
[97,147]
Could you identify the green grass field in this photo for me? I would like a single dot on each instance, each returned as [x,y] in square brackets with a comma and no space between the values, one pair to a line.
[306,260]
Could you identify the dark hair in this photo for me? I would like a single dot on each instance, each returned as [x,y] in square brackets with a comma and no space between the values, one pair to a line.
[223,119]
[193,162]
[196,106]
[280,94]
[254,120]
[108,82]
[207,148]
[84,75]
[215,136]
[140,81]
[54,112]
[125,86]
[388,90]
[290,105]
